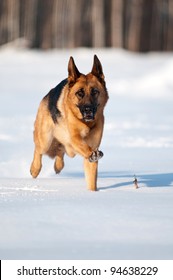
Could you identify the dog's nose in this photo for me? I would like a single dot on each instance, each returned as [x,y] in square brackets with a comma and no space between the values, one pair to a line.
[88,109]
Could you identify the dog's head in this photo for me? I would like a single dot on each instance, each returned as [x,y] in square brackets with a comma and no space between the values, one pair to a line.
[87,93]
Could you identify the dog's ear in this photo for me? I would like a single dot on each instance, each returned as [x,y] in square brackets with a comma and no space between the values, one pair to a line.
[73,72]
[97,69]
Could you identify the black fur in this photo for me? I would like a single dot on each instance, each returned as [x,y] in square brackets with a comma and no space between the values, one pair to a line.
[53,97]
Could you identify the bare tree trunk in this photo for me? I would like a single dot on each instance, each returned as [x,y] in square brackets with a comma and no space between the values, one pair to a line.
[155,26]
[74,8]
[134,13]
[58,26]
[169,46]
[30,20]
[43,28]
[3,22]
[147,34]
[84,31]
[165,24]
[9,23]
[27,19]
[107,22]
[64,23]
[98,31]
[117,23]
[15,19]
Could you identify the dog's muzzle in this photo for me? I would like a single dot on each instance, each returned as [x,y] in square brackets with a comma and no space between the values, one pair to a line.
[88,111]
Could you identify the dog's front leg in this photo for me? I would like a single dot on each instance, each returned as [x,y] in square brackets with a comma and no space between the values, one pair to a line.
[90,169]
[83,148]
[80,146]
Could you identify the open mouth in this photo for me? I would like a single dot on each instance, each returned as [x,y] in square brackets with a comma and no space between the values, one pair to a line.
[88,116]
[88,112]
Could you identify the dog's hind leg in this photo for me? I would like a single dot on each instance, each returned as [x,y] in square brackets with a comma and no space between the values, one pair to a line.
[42,146]
[43,137]
[57,151]
[36,164]
[59,162]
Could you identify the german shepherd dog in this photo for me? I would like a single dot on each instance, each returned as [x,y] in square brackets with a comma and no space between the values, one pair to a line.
[70,120]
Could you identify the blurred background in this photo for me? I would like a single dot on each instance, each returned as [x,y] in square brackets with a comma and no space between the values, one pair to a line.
[134,42]
[135,25]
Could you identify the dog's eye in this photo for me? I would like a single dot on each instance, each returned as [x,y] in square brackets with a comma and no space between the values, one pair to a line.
[80,94]
[94,92]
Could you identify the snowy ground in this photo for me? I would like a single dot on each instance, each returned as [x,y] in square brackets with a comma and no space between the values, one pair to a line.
[55,217]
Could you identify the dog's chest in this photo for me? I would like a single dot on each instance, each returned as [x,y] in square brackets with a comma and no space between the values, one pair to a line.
[61,132]
[84,132]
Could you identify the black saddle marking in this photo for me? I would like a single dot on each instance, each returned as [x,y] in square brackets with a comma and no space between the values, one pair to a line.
[53,97]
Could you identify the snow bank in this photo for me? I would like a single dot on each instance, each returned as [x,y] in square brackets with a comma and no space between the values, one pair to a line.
[55,216]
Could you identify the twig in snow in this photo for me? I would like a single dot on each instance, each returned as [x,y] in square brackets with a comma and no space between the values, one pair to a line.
[136,182]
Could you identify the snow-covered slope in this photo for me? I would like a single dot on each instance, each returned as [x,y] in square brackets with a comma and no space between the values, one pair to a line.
[54,216]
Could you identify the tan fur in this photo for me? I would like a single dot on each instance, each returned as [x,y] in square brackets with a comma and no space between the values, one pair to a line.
[71,134]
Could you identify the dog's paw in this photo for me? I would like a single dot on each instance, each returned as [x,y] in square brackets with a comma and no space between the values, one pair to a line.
[95,156]
[35,171]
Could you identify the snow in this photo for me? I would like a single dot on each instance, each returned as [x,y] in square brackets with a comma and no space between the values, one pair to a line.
[54,216]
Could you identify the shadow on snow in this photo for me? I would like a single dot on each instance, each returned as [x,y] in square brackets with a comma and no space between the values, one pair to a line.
[150,180]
